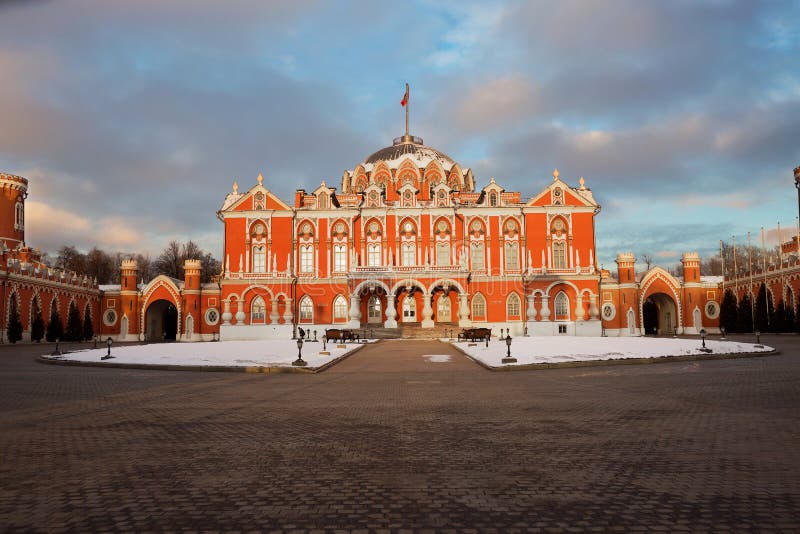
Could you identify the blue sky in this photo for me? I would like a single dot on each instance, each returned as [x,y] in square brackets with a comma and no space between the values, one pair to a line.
[132,119]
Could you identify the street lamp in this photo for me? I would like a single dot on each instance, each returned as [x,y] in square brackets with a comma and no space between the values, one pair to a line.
[758,337]
[487,340]
[95,341]
[299,362]
[703,337]
[324,342]
[508,358]
[57,352]
[722,330]
[315,336]
[108,356]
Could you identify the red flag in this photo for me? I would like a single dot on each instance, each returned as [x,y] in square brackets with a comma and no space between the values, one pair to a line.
[405,98]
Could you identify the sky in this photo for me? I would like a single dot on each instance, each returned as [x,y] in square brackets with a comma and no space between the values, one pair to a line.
[132,119]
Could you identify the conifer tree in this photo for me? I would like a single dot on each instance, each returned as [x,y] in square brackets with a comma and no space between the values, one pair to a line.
[55,328]
[763,310]
[727,312]
[74,326]
[744,315]
[14,323]
[777,321]
[37,327]
[88,328]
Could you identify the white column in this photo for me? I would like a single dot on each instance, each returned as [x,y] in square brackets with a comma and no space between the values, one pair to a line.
[355,311]
[579,307]
[531,309]
[463,310]
[239,312]
[593,310]
[427,311]
[226,314]
[288,314]
[274,316]
[391,313]
[545,311]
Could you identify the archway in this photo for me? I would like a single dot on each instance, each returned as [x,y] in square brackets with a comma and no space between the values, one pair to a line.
[161,321]
[659,316]
[374,310]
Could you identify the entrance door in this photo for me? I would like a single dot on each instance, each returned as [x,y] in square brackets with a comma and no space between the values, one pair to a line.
[374,311]
[409,309]
[443,310]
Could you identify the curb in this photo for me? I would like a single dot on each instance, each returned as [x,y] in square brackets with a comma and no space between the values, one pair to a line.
[619,361]
[203,368]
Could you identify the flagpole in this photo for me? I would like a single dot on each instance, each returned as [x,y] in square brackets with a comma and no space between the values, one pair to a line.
[735,272]
[780,256]
[408,105]
[764,268]
[722,271]
[750,270]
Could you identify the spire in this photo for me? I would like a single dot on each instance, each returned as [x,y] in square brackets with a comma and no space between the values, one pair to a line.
[405,104]
[260,178]
[555,175]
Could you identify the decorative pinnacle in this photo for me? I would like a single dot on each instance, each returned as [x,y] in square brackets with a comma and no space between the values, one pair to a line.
[235,188]
[260,178]
[555,175]
[582,182]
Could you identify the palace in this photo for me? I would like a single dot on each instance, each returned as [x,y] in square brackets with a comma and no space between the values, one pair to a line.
[408,245]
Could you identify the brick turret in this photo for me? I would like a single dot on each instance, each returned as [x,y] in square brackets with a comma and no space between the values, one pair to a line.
[625,267]
[691,267]
[13,191]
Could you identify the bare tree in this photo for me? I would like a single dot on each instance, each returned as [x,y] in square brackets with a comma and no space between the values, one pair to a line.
[647,259]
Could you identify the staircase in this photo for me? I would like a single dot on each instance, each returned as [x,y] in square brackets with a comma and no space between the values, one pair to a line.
[415,331]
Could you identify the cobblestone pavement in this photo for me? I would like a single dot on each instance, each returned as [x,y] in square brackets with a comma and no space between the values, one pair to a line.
[387,440]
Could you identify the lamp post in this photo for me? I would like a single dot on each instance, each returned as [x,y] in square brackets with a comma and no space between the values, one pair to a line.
[508,358]
[703,337]
[487,340]
[299,362]
[95,341]
[797,185]
[758,337]
[722,330]
[324,342]
[57,352]
[108,355]
[315,336]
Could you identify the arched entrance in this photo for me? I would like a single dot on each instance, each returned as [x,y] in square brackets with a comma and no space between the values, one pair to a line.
[161,321]
[374,310]
[659,315]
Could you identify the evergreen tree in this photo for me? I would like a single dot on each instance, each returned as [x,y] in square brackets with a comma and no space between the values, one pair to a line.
[744,315]
[55,329]
[727,312]
[14,323]
[88,328]
[760,318]
[37,326]
[74,327]
[788,318]
[777,321]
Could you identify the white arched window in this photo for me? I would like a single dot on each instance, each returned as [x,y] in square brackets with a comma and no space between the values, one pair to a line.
[561,306]
[339,308]
[340,258]
[306,309]
[512,306]
[409,309]
[258,311]
[477,256]
[409,253]
[259,259]
[322,201]
[374,255]
[512,255]
[306,258]
[443,253]
[374,311]
[493,199]
[478,306]
[444,310]
[19,216]
[559,255]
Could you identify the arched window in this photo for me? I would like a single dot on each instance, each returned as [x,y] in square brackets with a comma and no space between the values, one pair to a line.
[477,256]
[322,201]
[19,216]
[409,253]
[493,199]
[306,309]
[339,308]
[409,309]
[561,306]
[374,311]
[306,258]
[258,311]
[259,259]
[373,255]
[443,310]
[443,253]
[478,306]
[512,306]
[512,255]
[340,258]
[559,255]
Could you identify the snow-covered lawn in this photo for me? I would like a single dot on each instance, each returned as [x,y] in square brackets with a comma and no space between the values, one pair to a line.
[528,350]
[262,353]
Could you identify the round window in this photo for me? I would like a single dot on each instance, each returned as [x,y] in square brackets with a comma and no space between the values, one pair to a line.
[340,228]
[712,309]
[306,228]
[476,226]
[109,318]
[259,228]
[373,227]
[212,316]
[608,311]
[408,227]
[442,226]
[512,225]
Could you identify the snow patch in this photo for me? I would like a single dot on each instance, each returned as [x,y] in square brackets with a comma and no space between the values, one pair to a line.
[437,358]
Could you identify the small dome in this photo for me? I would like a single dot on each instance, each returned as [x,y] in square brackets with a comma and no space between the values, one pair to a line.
[410,146]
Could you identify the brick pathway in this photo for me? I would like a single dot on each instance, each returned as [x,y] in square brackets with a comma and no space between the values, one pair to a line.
[388,440]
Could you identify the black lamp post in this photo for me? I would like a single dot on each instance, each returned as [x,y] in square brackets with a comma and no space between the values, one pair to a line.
[95,341]
[324,342]
[57,352]
[487,340]
[299,362]
[508,358]
[703,337]
[315,336]
[108,356]
[722,330]
[758,337]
